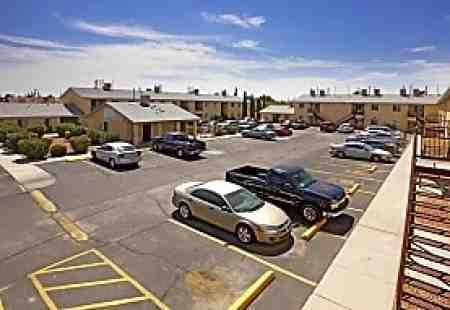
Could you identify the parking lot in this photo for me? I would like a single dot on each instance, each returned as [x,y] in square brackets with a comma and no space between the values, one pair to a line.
[140,255]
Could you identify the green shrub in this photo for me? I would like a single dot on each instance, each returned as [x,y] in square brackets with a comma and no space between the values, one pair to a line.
[38,129]
[78,131]
[63,128]
[58,150]
[33,148]
[80,144]
[13,139]
[99,136]
[6,128]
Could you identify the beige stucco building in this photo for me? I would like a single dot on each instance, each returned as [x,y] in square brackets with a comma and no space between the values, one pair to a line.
[278,113]
[27,115]
[404,112]
[140,122]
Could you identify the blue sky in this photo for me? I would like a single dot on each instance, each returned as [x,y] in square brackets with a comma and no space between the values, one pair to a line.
[275,47]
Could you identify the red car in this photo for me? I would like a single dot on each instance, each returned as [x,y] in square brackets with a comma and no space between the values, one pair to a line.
[327,126]
[281,131]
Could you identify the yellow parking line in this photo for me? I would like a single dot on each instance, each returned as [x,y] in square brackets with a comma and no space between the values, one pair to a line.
[70,227]
[253,291]
[352,176]
[310,232]
[135,283]
[84,266]
[272,266]
[354,209]
[61,262]
[216,240]
[84,284]
[42,202]
[367,192]
[41,291]
[112,303]
[372,169]
[353,189]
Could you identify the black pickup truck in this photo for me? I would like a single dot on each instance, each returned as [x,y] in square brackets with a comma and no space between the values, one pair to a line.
[179,144]
[293,185]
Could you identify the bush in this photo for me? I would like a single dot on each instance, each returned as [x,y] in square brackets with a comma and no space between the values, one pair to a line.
[58,150]
[38,130]
[78,131]
[6,128]
[80,144]
[33,148]
[99,136]
[62,128]
[13,139]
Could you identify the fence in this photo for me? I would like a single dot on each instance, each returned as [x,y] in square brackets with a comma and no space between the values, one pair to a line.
[435,141]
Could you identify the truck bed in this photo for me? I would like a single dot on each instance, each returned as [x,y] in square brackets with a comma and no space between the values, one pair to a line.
[252,178]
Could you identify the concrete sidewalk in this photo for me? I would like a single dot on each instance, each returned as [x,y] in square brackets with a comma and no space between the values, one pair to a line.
[30,176]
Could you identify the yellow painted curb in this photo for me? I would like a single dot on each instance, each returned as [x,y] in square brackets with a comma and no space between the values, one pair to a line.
[253,291]
[42,201]
[1,305]
[310,232]
[372,169]
[354,188]
[76,158]
[70,227]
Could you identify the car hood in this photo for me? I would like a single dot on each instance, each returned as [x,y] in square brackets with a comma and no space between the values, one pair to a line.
[266,215]
[185,186]
[326,190]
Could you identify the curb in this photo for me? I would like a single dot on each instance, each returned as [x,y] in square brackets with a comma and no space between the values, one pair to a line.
[253,291]
[354,188]
[70,227]
[372,169]
[74,158]
[42,202]
[310,232]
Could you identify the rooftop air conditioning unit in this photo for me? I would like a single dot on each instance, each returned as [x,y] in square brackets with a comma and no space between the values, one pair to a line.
[377,92]
[312,92]
[364,92]
[403,92]
[322,93]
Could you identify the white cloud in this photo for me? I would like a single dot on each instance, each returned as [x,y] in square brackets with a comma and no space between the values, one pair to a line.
[178,64]
[422,49]
[234,19]
[134,32]
[32,42]
[247,44]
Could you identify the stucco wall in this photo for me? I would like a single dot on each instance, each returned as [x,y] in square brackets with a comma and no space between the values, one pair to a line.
[116,123]
[71,97]
[30,122]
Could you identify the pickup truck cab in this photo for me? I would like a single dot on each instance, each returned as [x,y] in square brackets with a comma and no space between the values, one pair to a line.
[292,185]
[178,143]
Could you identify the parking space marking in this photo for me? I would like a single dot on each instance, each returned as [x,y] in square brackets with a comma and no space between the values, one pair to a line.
[247,254]
[310,232]
[351,177]
[253,291]
[104,261]
[367,192]
[354,209]
[353,189]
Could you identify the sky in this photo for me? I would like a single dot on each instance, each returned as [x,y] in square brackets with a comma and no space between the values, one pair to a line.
[280,48]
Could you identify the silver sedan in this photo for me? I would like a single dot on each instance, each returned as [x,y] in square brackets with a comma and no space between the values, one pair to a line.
[116,154]
[233,208]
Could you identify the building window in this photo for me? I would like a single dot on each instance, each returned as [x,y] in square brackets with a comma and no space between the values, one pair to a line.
[93,105]
[20,123]
[301,105]
[232,104]
[105,126]
[374,107]
[198,106]
[317,107]
[396,108]
[47,123]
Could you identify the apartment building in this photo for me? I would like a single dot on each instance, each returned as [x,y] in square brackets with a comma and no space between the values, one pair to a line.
[403,111]
[205,106]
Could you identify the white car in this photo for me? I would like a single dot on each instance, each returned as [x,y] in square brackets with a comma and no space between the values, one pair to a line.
[345,128]
[359,150]
[117,154]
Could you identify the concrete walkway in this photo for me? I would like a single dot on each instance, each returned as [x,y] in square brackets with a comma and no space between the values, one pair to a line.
[30,176]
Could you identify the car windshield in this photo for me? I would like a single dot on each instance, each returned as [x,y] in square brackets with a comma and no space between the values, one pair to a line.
[368,147]
[127,148]
[180,137]
[302,178]
[244,201]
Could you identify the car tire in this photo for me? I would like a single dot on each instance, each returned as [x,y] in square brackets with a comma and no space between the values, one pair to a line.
[180,153]
[375,158]
[155,147]
[94,155]
[112,163]
[245,234]
[311,213]
[185,211]
[340,154]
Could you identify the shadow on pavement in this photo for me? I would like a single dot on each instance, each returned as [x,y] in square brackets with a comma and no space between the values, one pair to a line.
[121,168]
[339,225]
[255,248]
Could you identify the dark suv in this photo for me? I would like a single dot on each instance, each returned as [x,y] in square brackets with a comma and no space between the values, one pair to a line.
[179,144]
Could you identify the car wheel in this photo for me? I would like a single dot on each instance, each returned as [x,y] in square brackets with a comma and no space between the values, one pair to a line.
[180,153]
[245,234]
[311,213]
[94,155]
[112,163]
[340,154]
[155,147]
[185,212]
[375,158]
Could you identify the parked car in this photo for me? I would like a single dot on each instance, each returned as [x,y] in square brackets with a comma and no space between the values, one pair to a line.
[359,150]
[179,144]
[227,127]
[117,154]
[247,124]
[259,132]
[345,128]
[293,185]
[279,130]
[301,124]
[383,131]
[327,126]
[234,209]
[384,144]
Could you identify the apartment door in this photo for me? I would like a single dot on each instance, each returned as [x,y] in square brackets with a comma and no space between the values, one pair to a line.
[146,132]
